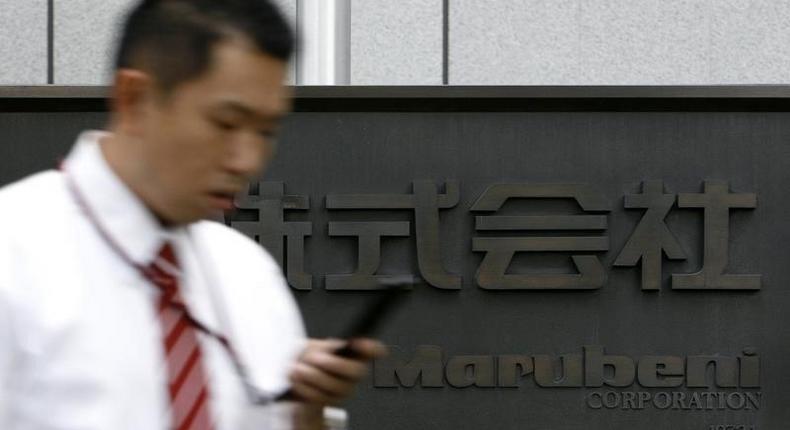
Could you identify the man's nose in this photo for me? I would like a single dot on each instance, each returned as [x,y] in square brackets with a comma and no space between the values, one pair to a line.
[247,154]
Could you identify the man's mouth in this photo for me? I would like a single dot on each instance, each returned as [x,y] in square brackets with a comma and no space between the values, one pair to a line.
[221,200]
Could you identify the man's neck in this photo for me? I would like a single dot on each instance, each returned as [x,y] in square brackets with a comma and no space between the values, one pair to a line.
[114,148]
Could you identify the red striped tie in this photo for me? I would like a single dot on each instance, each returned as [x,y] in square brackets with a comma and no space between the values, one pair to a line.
[187,382]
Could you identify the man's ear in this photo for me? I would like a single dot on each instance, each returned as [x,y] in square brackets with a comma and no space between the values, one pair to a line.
[131,93]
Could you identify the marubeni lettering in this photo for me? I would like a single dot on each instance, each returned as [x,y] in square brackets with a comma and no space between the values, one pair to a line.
[693,382]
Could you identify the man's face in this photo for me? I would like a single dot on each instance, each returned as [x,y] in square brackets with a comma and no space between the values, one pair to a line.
[201,143]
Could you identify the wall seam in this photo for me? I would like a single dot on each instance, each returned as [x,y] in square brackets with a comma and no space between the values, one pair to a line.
[50,42]
[445,42]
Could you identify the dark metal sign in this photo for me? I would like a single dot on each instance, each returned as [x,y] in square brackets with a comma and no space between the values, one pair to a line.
[579,262]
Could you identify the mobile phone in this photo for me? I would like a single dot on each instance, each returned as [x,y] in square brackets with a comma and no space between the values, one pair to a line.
[391,295]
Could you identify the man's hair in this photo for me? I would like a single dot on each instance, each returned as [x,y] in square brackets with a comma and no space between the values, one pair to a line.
[173,40]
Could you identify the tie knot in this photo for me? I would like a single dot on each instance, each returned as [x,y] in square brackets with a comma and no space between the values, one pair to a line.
[165,264]
[164,272]
[167,256]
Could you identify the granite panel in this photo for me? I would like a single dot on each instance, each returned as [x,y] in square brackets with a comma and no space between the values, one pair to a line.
[85,37]
[23,42]
[396,43]
[619,42]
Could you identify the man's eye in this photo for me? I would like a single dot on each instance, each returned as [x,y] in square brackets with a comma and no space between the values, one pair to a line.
[224,125]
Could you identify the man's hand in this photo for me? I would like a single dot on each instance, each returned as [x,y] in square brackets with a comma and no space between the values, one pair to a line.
[321,377]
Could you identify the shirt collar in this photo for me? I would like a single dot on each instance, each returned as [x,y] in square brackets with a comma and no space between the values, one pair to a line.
[118,210]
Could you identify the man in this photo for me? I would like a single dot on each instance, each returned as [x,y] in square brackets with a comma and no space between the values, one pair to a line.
[120,306]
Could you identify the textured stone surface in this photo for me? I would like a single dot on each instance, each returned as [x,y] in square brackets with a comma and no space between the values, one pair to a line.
[642,42]
[539,42]
[586,42]
[23,42]
[85,37]
[750,41]
[519,41]
[396,42]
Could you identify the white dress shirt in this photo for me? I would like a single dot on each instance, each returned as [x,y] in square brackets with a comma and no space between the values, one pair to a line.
[80,342]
